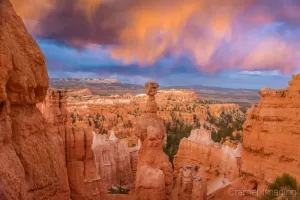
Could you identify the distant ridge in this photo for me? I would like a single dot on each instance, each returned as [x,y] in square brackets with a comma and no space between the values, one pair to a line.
[243,97]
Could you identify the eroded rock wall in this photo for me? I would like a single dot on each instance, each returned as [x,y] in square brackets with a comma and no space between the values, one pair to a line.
[85,183]
[114,160]
[190,186]
[207,157]
[31,167]
[272,135]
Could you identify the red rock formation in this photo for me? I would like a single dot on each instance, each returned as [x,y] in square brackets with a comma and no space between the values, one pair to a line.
[190,187]
[105,154]
[56,117]
[124,168]
[272,135]
[154,171]
[81,92]
[134,158]
[94,162]
[31,167]
[211,161]
[84,181]
[113,160]
[199,150]
[217,109]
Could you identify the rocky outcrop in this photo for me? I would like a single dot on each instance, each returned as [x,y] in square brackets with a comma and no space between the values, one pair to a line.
[53,109]
[31,165]
[272,136]
[105,155]
[80,92]
[154,171]
[114,160]
[94,162]
[124,167]
[201,152]
[202,167]
[217,109]
[84,181]
[186,96]
[190,186]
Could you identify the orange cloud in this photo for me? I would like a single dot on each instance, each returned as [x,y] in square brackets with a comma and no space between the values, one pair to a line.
[88,6]
[160,27]
[153,29]
[143,31]
[273,54]
[33,9]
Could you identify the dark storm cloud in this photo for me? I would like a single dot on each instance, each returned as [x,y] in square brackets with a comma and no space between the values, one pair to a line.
[219,35]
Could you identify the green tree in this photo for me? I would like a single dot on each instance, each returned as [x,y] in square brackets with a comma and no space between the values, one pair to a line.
[176,130]
[284,187]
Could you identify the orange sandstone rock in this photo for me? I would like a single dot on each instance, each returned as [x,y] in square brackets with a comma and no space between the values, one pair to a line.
[271,135]
[217,109]
[154,171]
[31,163]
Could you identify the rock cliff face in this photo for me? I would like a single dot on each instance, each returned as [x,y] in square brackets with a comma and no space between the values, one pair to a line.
[217,109]
[113,160]
[81,92]
[31,164]
[84,181]
[154,171]
[56,118]
[94,162]
[190,187]
[272,135]
[211,161]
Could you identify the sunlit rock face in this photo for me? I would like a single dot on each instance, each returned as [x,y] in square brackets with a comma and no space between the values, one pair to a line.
[53,108]
[115,162]
[31,163]
[94,162]
[80,92]
[190,186]
[84,180]
[206,159]
[217,109]
[272,135]
[201,136]
[154,171]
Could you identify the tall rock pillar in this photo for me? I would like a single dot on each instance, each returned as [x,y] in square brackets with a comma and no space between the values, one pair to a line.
[154,171]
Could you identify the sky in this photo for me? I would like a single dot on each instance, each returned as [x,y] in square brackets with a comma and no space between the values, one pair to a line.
[224,43]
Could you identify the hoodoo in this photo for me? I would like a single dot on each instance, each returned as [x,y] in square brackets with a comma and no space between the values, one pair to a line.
[154,172]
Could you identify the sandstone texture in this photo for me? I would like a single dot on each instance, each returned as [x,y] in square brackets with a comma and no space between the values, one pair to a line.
[217,109]
[81,92]
[190,186]
[95,162]
[272,134]
[154,171]
[212,162]
[31,163]
[114,160]
[84,181]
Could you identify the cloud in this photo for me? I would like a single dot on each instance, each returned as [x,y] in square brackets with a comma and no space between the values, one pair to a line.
[261,73]
[217,35]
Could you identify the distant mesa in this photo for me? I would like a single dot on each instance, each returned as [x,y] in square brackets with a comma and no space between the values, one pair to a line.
[89,80]
[100,80]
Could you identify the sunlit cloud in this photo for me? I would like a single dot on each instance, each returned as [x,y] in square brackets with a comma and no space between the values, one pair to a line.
[216,35]
[261,73]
